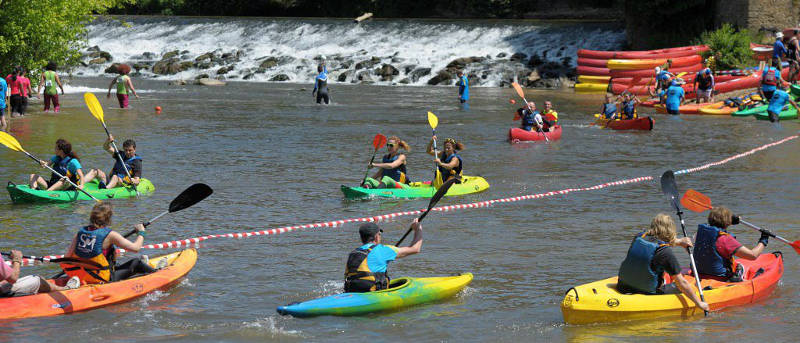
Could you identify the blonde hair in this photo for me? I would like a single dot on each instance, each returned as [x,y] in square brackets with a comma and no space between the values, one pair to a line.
[101,215]
[720,217]
[662,227]
[400,143]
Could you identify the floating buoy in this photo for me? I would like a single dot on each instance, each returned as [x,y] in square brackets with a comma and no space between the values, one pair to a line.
[512,101]
[158,109]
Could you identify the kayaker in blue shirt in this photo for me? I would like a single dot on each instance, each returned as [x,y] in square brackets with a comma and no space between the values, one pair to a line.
[650,256]
[367,266]
[628,108]
[609,109]
[66,163]
[118,177]
[463,87]
[675,96]
[770,79]
[776,103]
[321,84]
[778,49]
[3,98]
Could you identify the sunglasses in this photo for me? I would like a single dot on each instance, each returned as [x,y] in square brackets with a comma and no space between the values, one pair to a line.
[390,145]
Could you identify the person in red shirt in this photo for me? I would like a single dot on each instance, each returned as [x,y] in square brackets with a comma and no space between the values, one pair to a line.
[716,248]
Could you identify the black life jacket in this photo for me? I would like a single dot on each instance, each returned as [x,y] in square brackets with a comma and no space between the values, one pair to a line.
[357,276]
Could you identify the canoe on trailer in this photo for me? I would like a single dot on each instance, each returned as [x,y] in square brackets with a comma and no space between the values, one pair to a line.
[402,292]
[600,302]
[24,194]
[468,185]
[516,134]
[90,297]
[641,123]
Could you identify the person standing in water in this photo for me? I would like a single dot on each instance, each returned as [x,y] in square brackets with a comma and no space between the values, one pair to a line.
[321,84]
[3,102]
[27,91]
[124,85]
[50,79]
[463,87]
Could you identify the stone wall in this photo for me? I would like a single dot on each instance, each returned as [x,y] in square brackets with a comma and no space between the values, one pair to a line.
[759,15]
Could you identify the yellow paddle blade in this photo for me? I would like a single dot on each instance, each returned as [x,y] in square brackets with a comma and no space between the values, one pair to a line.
[94,106]
[680,74]
[433,120]
[518,89]
[10,142]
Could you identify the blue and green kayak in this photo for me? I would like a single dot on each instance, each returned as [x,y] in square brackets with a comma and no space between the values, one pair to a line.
[468,185]
[402,292]
[21,194]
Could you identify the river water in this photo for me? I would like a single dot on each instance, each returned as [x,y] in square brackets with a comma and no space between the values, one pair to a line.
[275,159]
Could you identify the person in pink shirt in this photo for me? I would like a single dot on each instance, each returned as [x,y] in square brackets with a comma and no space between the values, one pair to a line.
[27,91]
[15,86]
[11,285]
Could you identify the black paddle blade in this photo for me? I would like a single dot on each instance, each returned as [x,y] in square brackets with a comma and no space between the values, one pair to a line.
[192,195]
[669,187]
[439,194]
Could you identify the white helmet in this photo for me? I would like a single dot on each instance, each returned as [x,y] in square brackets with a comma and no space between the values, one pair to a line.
[658,70]
[779,35]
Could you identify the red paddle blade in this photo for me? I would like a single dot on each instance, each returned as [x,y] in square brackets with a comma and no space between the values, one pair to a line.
[516,116]
[696,201]
[796,246]
[379,141]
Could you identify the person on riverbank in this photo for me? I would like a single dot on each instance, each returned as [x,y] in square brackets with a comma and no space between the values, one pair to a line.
[50,80]
[11,285]
[675,97]
[549,115]
[449,163]
[66,163]
[321,84]
[777,102]
[392,169]
[609,109]
[778,48]
[124,86]
[530,117]
[792,56]
[463,87]
[716,248]
[628,106]
[649,256]
[14,83]
[97,243]
[770,79]
[703,85]
[27,91]
[119,178]
[3,105]
[367,266]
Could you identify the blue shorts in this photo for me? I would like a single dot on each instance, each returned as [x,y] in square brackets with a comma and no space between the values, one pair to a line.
[2,111]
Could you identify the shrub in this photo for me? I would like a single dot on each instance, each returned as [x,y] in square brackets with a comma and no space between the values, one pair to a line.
[730,47]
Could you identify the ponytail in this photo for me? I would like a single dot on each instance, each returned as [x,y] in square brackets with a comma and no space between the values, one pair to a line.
[14,74]
[66,148]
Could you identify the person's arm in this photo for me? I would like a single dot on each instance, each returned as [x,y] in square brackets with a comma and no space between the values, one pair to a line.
[71,250]
[58,81]
[129,84]
[123,243]
[107,146]
[752,254]
[688,291]
[429,149]
[316,82]
[41,82]
[398,162]
[416,244]
[449,166]
[794,104]
[111,85]
[16,263]
[136,172]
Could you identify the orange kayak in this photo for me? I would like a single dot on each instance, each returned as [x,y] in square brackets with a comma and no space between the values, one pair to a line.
[684,109]
[90,297]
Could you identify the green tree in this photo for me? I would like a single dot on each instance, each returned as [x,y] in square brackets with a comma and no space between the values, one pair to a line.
[730,47]
[35,32]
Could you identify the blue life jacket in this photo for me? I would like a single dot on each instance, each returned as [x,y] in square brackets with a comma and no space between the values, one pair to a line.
[89,243]
[636,272]
[398,174]
[706,256]
[527,119]
[119,171]
[61,167]
[628,108]
[463,87]
[609,110]
[446,174]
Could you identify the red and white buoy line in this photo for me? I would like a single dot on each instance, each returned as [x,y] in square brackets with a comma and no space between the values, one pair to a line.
[379,218]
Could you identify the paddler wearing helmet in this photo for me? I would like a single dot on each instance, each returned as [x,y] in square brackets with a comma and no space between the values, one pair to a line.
[392,171]
[124,85]
[449,162]
[649,256]
[703,85]
[716,248]
[367,266]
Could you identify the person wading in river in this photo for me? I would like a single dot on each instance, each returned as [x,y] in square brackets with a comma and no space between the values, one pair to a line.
[321,84]
[124,85]
[367,266]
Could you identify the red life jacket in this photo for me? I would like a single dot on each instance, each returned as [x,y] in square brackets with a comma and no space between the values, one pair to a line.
[770,79]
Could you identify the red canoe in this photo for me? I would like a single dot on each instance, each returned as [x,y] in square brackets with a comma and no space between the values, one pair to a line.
[516,134]
[649,72]
[661,53]
[642,123]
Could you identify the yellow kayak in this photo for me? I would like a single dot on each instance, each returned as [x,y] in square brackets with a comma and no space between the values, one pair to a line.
[591,87]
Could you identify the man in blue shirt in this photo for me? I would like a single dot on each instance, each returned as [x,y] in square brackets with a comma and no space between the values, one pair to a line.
[366,268]
[776,103]
[770,79]
[463,87]
[3,98]
[778,49]
[675,95]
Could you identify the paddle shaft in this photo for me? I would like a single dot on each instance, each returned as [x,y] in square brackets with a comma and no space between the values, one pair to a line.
[57,260]
[61,176]
[370,163]
[435,156]
[121,161]
[146,224]
[691,256]
[754,227]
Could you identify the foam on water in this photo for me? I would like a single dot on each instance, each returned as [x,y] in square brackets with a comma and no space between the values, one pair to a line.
[406,44]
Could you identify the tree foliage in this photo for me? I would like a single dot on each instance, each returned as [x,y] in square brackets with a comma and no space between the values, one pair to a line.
[730,47]
[33,33]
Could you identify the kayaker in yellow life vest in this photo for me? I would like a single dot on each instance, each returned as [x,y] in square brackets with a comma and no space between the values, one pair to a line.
[66,163]
[118,176]
[392,170]
[716,248]
[98,243]
[448,161]
[649,256]
[367,266]
[549,115]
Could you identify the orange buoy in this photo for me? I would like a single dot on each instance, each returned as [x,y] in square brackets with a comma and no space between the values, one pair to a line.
[158,109]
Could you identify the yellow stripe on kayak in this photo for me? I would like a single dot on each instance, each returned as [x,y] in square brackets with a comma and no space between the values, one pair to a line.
[590,88]
[593,79]
[634,64]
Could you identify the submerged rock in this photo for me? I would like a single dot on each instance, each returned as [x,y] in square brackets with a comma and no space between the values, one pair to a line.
[280,77]
[171,54]
[442,76]
[210,82]
[99,60]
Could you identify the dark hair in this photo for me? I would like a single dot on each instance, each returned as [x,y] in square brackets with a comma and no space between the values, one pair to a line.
[51,66]
[14,74]
[129,143]
[776,62]
[319,68]
[720,217]
[101,215]
[66,148]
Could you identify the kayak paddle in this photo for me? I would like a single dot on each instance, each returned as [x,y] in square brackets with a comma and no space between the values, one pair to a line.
[433,121]
[97,111]
[13,144]
[70,260]
[522,95]
[434,199]
[378,142]
[192,195]
[670,189]
[699,202]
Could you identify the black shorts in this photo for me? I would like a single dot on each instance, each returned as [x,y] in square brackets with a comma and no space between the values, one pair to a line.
[23,105]
[773,117]
[323,96]
[768,95]
[673,111]
[16,100]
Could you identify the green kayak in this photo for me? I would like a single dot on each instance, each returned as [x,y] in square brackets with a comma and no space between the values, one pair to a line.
[786,114]
[794,92]
[24,194]
[468,185]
